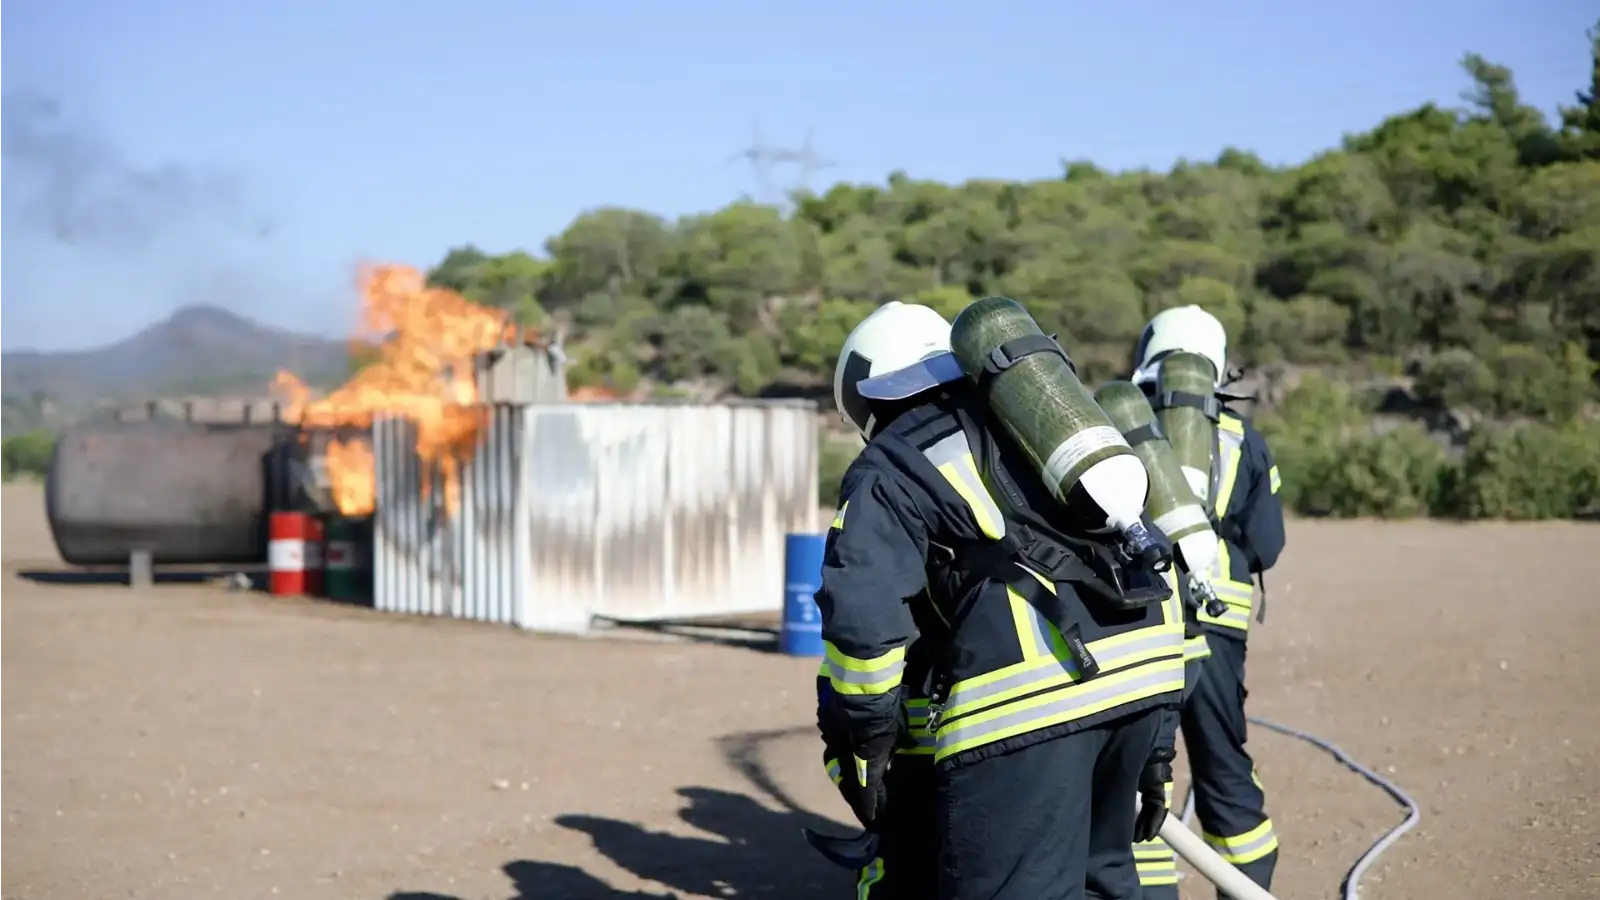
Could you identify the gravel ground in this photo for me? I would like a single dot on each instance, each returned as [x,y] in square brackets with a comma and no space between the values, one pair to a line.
[191,742]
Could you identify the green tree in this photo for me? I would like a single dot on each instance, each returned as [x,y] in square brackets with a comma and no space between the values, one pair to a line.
[27,455]
[1453,254]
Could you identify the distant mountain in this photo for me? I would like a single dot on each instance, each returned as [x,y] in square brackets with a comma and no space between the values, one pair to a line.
[199,350]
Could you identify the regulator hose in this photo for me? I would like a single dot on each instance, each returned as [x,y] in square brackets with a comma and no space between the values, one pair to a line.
[1349,887]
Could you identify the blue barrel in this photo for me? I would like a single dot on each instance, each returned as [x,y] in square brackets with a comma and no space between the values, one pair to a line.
[801,634]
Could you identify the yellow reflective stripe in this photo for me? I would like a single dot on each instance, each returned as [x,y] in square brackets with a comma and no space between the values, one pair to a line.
[1238,596]
[952,456]
[850,675]
[871,874]
[834,770]
[917,726]
[1057,669]
[1032,638]
[1172,610]
[1274,479]
[861,770]
[838,517]
[1152,850]
[1245,848]
[1071,702]
[1196,648]
[1230,445]
[1153,873]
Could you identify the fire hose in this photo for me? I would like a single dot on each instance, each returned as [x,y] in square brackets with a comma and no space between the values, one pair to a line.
[856,851]
[1349,888]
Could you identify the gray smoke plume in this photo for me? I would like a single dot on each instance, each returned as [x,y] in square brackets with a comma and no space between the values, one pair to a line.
[82,191]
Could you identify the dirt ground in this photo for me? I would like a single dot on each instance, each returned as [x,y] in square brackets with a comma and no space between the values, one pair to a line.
[192,742]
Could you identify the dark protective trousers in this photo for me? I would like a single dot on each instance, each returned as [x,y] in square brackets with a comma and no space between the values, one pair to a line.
[1053,821]
[907,866]
[1155,861]
[1228,798]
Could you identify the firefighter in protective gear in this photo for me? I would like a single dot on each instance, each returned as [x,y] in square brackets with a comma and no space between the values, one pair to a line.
[1229,799]
[944,578]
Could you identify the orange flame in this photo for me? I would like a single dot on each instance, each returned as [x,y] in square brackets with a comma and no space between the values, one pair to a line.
[423,371]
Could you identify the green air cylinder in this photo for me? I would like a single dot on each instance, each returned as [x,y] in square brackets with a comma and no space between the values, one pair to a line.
[347,559]
[1192,433]
[1172,504]
[1038,399]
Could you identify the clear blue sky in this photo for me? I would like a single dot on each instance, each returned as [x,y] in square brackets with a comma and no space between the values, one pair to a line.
[393,131]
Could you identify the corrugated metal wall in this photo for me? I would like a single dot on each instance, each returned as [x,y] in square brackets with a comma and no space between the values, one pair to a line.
[465,565]
[618,510]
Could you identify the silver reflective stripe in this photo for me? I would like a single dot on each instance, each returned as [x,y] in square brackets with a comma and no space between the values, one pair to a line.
[1187,516]
[1038,628]
[917,725]
[1077,699]
[842,675]
[1233,592]
[922,737]
[963,696]
[1230,449]
[1231,851]
[947,456]
[1233,615]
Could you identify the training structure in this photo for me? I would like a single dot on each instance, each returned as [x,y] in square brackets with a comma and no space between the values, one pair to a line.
[570,512]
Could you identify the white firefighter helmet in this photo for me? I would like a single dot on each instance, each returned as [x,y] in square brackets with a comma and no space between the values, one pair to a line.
[1181,328]
[899,351]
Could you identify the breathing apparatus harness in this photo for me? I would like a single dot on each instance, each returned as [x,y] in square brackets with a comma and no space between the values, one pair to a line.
[1122,574]
[1212,406]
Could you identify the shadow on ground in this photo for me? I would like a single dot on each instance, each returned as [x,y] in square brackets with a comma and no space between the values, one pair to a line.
[748,849]
[257,577]
[741,633]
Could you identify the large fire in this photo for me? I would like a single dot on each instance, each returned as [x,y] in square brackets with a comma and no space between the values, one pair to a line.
[428,339]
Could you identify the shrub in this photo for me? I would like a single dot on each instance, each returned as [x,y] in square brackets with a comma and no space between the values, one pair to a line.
[1393,475]
[27,455]
[1511,380]
[1529,471]
[1333,463]
[834,456]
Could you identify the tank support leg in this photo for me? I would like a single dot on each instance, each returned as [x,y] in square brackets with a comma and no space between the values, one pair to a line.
[141,569]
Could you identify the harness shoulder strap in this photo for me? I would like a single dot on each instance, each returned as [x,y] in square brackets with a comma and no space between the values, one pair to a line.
[1145,434]
[1016,350]
[1209,404]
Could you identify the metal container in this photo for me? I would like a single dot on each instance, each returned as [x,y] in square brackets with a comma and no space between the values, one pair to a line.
[347,559]
[187,492]
[571,511]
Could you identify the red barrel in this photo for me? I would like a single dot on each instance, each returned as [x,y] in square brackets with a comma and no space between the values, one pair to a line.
[288,535]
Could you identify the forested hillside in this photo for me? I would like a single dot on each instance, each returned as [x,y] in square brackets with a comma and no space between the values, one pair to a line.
[1449,258]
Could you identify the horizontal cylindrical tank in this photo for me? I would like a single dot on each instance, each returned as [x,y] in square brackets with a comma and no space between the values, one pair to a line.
[187,492]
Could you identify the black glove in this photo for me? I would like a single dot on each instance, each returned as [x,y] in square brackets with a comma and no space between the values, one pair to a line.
[1153,795]
[861,779]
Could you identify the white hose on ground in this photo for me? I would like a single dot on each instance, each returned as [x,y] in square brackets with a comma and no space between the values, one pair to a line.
[1349,888]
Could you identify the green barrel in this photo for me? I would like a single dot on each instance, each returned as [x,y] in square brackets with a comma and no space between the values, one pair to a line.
[1191,432]
[347,559]
[1041,402]
[1171,505]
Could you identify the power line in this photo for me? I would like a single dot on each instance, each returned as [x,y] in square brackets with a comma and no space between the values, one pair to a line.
[764,158]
